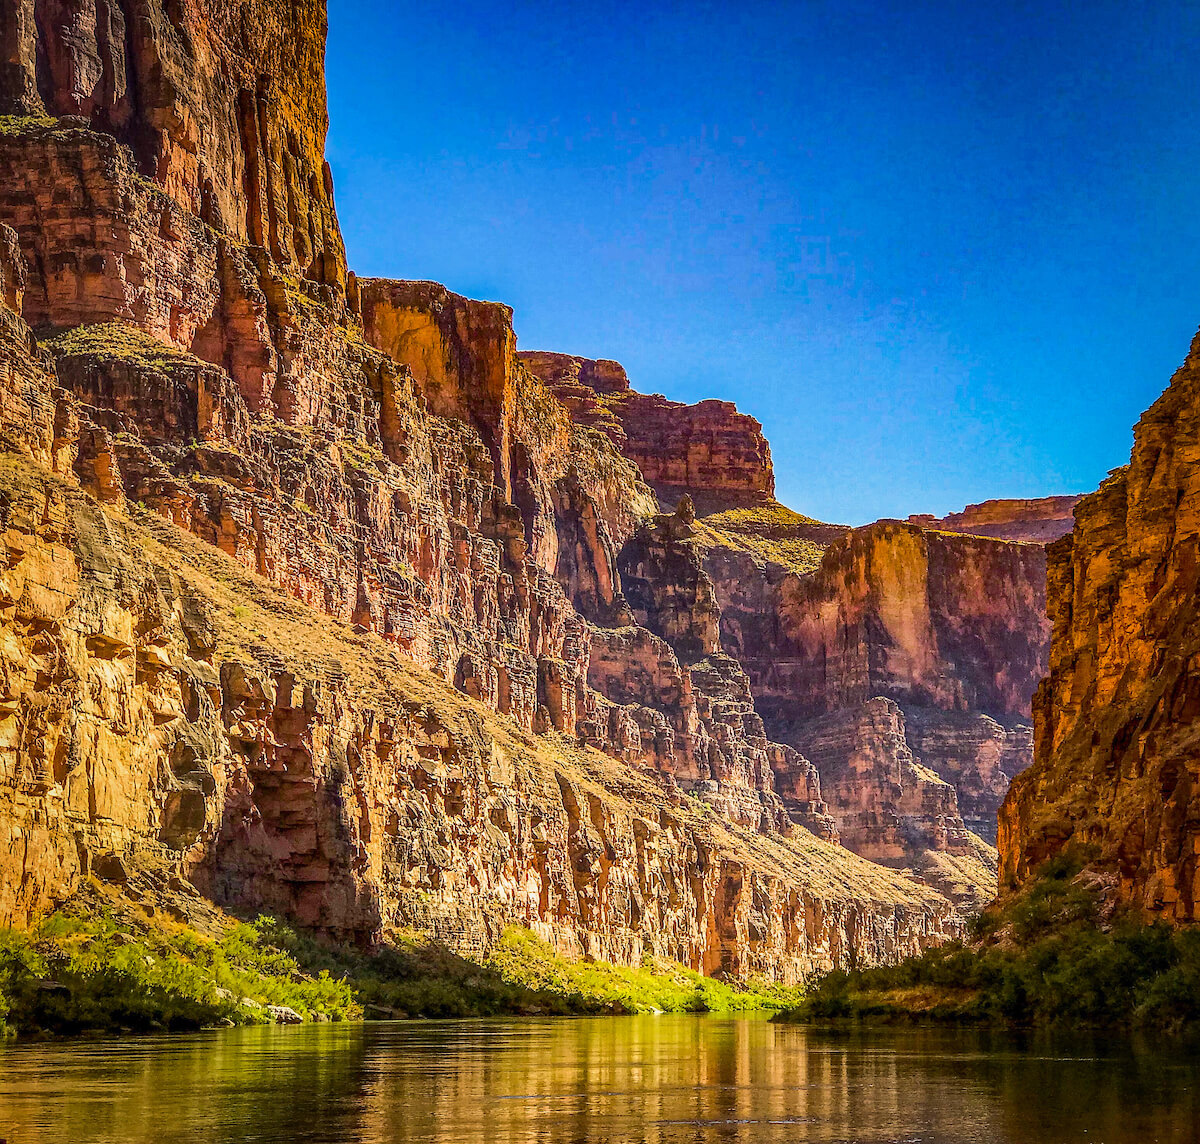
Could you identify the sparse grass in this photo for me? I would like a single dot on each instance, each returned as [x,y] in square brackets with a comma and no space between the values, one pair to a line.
[770,532]
[11,125]
[1040,959]
[115,340]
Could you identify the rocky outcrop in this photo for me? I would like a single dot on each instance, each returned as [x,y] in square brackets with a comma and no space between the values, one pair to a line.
[1116,775]
[221,105]
[889,806]
[1037,521]
[955,623]
[709,448]
[901,664]
[978,755]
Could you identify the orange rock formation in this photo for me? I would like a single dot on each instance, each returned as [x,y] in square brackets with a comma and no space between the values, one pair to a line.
[1117,772]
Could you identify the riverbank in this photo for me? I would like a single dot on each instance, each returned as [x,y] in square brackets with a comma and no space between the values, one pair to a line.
[1056,955]
[108,964]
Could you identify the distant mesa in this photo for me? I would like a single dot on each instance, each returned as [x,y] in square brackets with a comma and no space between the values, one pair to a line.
[1037,521]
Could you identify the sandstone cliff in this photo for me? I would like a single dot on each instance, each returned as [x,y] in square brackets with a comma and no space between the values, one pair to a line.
[317,595]
[708,449]
[950,629]
[1116,772]
[1037,521]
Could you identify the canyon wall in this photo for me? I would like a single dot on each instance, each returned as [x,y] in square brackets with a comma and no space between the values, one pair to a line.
[1117,769]
[1040,520]
[318,597]
[221,104]
[901,665]
[898,659]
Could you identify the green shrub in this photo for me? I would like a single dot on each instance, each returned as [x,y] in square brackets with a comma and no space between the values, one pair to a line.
[1040,960]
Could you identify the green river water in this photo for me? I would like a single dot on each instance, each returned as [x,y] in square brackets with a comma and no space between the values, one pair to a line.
[596,1081]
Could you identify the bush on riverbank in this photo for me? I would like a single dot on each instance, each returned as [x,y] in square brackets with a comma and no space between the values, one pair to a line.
[655,986]
[107,965]
[521,974]
[1044,958]
[76,973]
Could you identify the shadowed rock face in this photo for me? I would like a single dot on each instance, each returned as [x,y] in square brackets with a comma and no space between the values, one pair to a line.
[315,595]
[951,628]
[889,806]
[1116,769]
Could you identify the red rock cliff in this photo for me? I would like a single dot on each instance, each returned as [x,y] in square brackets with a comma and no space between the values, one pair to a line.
[222,105]
[1117,771]
[707,448]
[1037,521]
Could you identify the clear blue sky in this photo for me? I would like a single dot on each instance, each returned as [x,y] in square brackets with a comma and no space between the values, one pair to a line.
[943,251]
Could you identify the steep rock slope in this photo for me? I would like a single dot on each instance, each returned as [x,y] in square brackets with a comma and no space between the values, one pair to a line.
[950,628]
[315,594]
[1117,769]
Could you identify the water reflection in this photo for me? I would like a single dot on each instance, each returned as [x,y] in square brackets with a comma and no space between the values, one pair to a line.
[602,1081]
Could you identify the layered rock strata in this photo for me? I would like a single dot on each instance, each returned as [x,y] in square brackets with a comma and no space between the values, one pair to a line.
[165,706]
[708,449]
[1117,770]
[1033,521]
[827,621]
[950,628]
[222,105]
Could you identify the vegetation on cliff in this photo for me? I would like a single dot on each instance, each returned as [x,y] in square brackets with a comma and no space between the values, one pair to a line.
[103,964]
[770,533]
[1054,955]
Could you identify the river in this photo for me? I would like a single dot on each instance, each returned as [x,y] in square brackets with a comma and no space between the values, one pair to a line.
[615,1080]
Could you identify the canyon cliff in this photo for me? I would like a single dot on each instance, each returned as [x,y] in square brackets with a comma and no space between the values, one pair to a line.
[317,599]
[1116,773]
[898,658]
[322,599]
[1039,521]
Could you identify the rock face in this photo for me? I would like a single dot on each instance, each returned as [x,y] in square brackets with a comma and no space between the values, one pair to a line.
[950,628]
[708,449]
[317,596]
[897,659]
[889,806]
[1116,773]
[1038,521]
[222,105]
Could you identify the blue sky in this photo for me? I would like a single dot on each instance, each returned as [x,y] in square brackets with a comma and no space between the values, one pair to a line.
[942,251]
